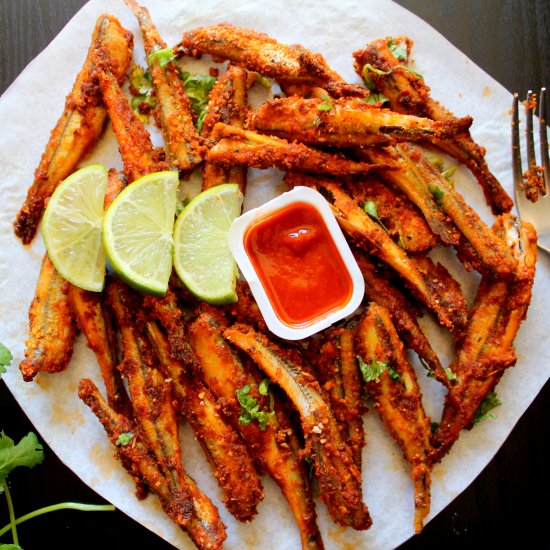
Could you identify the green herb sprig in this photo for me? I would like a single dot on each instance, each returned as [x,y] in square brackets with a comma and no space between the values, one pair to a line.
[372,371]
[5,358]
[327,104]
[486,406]
[29,453]
[370,208]
[250,408]
[437,194]
[198,88]
[162,56]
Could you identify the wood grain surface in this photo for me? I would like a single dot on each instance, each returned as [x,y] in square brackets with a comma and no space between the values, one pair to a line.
[509,39]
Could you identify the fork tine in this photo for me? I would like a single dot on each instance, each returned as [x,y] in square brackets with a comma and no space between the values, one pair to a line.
[544,139]
[529,107]
[516,151]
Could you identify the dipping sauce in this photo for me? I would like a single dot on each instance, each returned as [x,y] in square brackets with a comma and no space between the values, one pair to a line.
[298,263]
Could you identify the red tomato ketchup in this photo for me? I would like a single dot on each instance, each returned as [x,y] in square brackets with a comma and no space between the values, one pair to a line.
[298,263]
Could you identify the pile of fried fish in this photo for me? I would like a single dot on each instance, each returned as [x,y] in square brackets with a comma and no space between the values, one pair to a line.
[259,405]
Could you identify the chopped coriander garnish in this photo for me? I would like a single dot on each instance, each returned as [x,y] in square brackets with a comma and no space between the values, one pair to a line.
[447,173]
[197,88]
[398,52]
[375,97]
[327,104]
[162,56]
[140,80]
[488,404]
[368,69]
[263,388]
[124,438]
[450,374]
[370,208]
[437,193]
[250,408]
[372,371]
[5,358]
[141,86]
[434,426]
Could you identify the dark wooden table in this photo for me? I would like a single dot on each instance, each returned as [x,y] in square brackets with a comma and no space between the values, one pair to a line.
[510,40]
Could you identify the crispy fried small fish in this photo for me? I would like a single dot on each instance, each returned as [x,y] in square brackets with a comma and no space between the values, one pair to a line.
[81,123]
[136,456]
[486,349]
[94,321]
[439,201]
[346,122]
[408,94]
[184,148]
[275,448]
[227,103]
[391,381]
[380,290]
[339,375]
[224,449]
[402,219]
[156,418]
[259,52]
[337,475]
[139,157]
[52,327]
[247,148]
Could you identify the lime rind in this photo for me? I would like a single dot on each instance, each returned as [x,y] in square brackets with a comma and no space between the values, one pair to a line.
[137,232]
[72,225]
[202,258]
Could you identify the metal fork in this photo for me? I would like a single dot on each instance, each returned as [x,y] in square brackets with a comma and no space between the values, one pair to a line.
[537,213]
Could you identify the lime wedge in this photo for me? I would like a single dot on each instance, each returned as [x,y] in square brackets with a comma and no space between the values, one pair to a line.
[71,228]
[137,232]
[202,258]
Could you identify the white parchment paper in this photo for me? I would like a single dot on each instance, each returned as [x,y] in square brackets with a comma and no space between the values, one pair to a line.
[335,28]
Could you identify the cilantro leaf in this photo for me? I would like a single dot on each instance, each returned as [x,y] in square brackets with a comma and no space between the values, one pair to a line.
[198,88]
[370,208]
[368,69]
[447,173]
[141,87]
[140,80]
[162,56]
[437,193]
[374,98]
[5,358]
[399,52]
[488,404]
[10,547]
[450,374]
[327,104]
[367,78]
[124,438]
[250,408]
[28,452]
[372,371]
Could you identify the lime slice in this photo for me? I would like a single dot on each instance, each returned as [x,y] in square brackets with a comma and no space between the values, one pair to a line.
[71,228]
[202,258]
[137,232]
